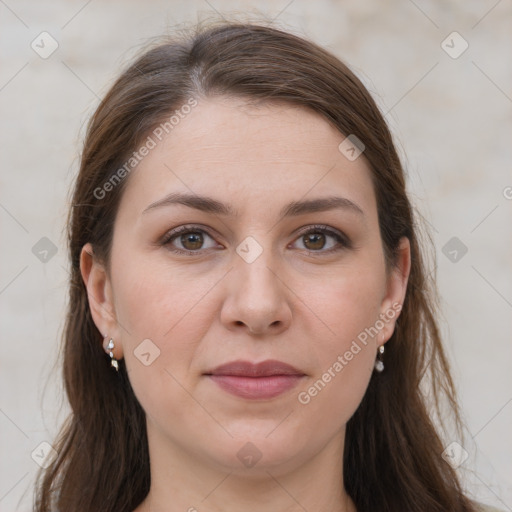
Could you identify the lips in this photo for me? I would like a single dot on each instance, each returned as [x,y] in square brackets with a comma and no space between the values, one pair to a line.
[248,369]
[264,380]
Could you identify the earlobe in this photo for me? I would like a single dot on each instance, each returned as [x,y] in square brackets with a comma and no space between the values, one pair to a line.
[396,288]
[98,286]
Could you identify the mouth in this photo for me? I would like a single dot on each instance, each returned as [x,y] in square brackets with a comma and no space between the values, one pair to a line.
[256,381]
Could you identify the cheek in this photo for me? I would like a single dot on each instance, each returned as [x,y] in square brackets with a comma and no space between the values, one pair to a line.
[154,301]
[349,309]
[163,314]
[177,309]
[329,400]
[348,304]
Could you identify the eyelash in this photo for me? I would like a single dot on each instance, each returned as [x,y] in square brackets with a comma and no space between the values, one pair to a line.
[343,241]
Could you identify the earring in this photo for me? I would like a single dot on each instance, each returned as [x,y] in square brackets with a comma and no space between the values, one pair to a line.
[379,365]
[113,360]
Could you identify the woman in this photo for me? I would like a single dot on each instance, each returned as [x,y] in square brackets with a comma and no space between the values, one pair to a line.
[249,316]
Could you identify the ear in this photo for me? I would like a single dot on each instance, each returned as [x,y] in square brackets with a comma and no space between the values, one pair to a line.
[99,293]
[395,290]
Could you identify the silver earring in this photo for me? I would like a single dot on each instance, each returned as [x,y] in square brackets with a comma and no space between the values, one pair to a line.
[379,365]
[113,360]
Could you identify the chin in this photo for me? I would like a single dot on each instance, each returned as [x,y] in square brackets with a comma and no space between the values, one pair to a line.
[255,453]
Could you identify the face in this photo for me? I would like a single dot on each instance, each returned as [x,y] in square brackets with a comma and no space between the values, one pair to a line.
[282,264]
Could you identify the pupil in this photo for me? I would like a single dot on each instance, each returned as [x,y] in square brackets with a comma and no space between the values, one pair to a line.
[195,239]
[317,239]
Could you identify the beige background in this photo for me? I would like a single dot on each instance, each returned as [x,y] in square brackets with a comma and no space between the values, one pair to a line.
[451,118]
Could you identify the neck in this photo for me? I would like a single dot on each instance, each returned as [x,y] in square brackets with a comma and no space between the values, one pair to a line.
[181,482]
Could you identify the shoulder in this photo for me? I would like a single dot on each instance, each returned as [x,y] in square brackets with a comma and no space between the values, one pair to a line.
[485,508]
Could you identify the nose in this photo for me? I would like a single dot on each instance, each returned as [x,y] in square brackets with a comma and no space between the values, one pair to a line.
[257,299]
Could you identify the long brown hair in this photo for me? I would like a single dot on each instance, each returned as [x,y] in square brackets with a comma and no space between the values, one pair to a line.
[393,451]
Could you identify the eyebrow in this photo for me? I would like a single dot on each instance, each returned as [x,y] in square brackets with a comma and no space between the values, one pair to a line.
[295,208]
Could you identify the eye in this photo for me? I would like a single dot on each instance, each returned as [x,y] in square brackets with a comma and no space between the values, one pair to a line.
[315,239]
[187,239]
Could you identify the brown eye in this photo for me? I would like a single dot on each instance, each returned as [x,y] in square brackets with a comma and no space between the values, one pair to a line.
[314,241]
[322,240]
[192,240]
[188,240]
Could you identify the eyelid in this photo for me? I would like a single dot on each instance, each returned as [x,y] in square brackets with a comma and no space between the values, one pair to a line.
[185,228]
[323,228]
[342,240]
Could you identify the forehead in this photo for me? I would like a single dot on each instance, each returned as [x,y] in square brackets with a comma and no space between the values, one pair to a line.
[255,155]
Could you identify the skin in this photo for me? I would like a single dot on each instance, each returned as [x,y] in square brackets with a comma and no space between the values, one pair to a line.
[296,302]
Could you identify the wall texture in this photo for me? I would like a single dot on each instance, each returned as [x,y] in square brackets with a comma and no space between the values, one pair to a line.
[441,72]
